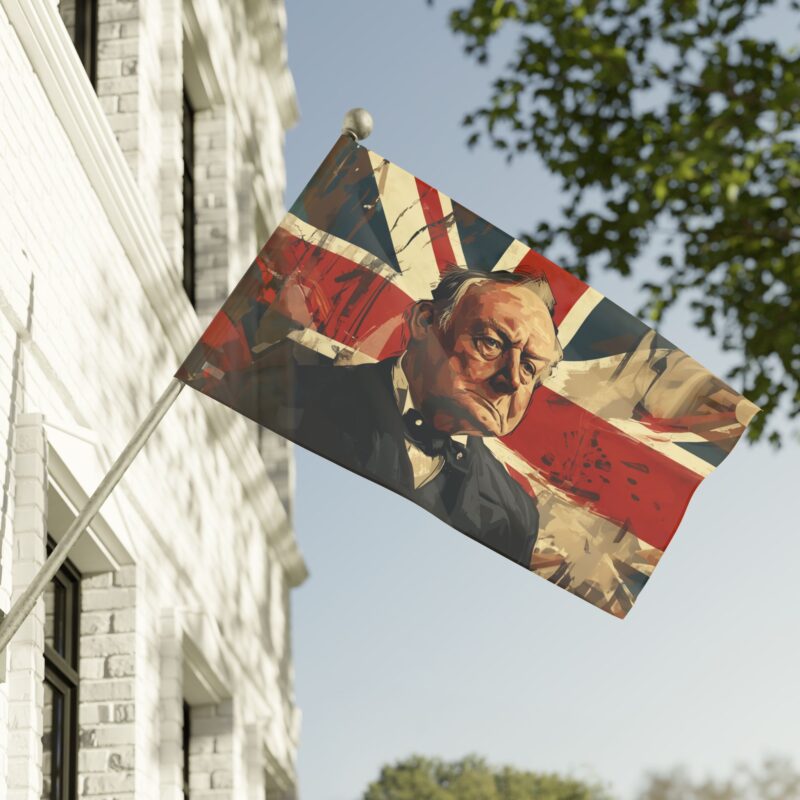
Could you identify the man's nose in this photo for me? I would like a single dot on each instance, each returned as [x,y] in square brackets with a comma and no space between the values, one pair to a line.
[509,378]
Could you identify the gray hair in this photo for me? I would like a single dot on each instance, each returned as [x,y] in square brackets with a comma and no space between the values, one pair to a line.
[455,283]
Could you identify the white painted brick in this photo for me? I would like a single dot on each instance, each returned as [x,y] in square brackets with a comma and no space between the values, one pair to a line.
[128,102]
[199,781]
[117,85]
[22,684]
[92,760]
[221,779]
[92,667]
[126,576]
[107,644]
[30,492]
[111,783]
[21,773]
[95,328]
[200,745]
[107,599]
[118,11]
[29,548]
[114,734]
[109,68]
[122,758]
[107,690]
[29,465]
[96,622]
[23,716]
[101,581]
[122,621]
[119,666]
[128,140]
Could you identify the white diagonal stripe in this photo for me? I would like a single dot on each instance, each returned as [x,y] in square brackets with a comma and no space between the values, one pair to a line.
[577,315]
[509,261]
[397,190]
[452,231]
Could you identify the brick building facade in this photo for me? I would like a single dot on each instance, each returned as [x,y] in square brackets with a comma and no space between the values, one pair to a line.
[141,162]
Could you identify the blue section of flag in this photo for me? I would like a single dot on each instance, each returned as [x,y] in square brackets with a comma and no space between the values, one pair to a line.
[709,452]
[343,199]
[482,243]
[610,330]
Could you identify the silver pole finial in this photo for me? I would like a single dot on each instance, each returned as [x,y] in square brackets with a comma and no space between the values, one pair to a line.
[357,123]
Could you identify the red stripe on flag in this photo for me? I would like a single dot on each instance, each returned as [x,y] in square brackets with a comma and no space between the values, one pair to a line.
[228,341]
[598,466]
[566,288]
[336,296]
[437,226]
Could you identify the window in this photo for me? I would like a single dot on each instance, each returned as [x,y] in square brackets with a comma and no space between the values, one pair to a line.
[188,197]
[60,731]
[80,18]
[187,734]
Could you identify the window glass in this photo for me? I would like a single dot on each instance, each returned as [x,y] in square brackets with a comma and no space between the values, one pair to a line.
[53,743]
[60,711]
[80,20]
[189,215]
[54,603]
[187,734]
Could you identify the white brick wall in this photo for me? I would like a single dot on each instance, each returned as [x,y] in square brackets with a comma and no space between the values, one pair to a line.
[171,710]
[108,692]
[215,202]
[212,761]
[83,343]
[25,674]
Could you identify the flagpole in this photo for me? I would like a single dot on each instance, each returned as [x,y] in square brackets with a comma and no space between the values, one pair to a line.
[27,600]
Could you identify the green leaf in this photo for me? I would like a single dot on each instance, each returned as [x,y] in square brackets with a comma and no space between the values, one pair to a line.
[678,108]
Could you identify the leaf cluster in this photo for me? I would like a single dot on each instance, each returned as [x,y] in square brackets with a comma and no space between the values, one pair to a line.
[472,778]
[674,132]
[775,779]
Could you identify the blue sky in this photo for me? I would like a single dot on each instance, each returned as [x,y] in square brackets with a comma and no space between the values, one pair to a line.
[408,637]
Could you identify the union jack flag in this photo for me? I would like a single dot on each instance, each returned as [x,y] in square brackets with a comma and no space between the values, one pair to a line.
[617,438]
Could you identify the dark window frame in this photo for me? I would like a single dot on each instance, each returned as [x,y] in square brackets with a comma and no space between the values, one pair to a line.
[189,211]
[84,36]
[61,662]
[187,735]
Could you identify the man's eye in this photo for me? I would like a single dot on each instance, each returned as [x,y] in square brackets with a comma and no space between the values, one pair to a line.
[528,368]
[488,346]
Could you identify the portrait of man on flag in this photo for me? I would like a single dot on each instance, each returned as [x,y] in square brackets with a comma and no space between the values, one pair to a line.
[394,332]
[415,422]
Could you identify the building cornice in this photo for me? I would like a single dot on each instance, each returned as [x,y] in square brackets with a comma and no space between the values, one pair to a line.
[62,76]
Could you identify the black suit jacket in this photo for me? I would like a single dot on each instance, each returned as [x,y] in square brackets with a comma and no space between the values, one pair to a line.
[349,415]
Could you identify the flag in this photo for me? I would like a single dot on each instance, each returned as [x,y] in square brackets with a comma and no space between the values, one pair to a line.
[395,332]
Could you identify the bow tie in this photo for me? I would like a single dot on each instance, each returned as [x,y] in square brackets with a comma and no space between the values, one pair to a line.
[424,436]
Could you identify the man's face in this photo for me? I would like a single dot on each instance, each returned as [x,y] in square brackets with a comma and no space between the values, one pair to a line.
[477,377]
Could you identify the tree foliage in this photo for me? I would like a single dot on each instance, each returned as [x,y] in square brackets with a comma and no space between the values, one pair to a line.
[471,778]
[775,779]
[674,131]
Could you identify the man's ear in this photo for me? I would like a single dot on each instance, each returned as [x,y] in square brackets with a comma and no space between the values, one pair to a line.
[420,319]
